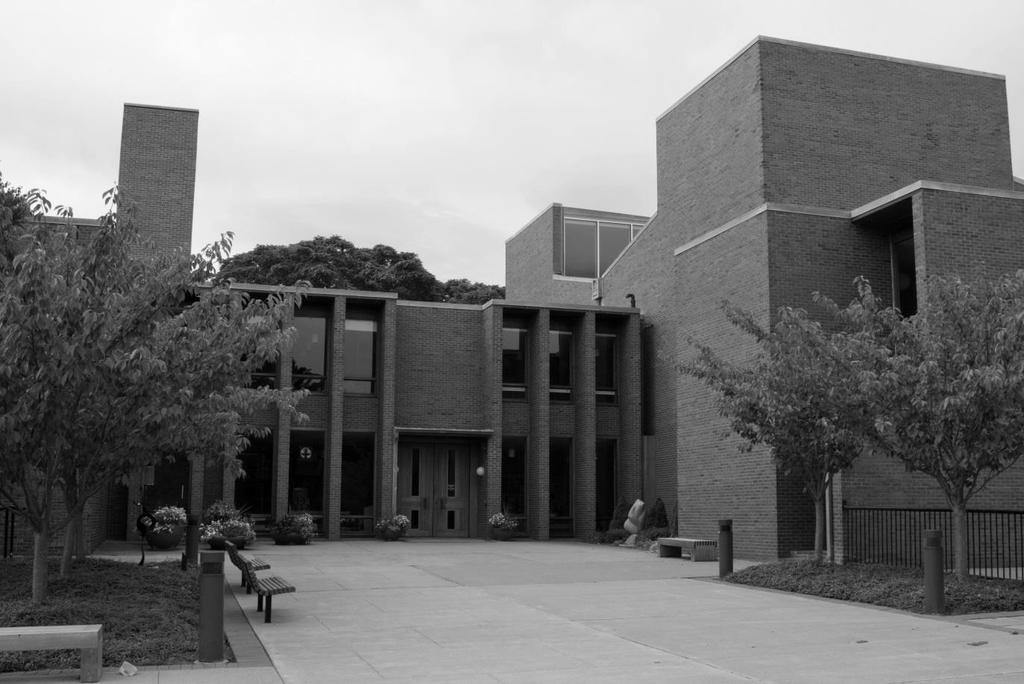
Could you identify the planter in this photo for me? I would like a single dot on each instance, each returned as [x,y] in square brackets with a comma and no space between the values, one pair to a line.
[217,543]
[501,533]
[286,538]
[163,540]
[390,534]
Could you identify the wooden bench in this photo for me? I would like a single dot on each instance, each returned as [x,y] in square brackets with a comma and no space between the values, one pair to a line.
[87,638]
[696,549]
[243,561]
[268,587]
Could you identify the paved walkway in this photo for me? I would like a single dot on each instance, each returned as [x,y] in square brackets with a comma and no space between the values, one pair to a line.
[521,611]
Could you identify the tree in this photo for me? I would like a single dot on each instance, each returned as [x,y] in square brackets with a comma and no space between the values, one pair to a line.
[799,396]
[110,361]
[951,394]
[334,262]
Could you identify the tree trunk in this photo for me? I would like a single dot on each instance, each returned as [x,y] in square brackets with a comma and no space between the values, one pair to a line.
[960,539]
[819,527]
[73,543]
[40,569]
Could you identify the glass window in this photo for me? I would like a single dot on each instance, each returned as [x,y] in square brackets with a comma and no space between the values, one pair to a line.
[309,355]
[513,477]
[306,471]
[265,376]
[614,239]
[904,273]
[560,480]
[580,248]
[605,481]
[604,360]
[513,363]
[255,490]
[561,364]
[360,355]
[357,461]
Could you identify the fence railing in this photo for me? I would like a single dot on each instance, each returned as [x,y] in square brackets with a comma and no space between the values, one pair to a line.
[894,536]
[9,518]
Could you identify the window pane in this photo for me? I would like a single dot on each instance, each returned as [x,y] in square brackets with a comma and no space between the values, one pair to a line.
[306,471]
[560,363]
[360,355]
[580,248]
[513,476]
[309,355]
[614,238]
[604,372]
[513,357]
[357,461]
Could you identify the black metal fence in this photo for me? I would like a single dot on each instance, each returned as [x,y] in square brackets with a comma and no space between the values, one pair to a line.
[894,536]
[9,518]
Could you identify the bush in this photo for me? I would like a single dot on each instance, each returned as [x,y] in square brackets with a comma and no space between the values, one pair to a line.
[619,516]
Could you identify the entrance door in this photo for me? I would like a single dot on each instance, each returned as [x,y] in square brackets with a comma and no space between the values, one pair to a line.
[433,488]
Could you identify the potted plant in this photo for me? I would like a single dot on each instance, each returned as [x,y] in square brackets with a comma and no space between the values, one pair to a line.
[393,528]
[503,527]
[168,527]
[222,521]
[295,528]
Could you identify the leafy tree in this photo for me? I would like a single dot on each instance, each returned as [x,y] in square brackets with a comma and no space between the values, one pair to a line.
[334,262]
[799,395]
[110,361]
[951,395]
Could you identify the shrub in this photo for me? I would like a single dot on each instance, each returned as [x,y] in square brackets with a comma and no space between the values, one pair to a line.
[168,518]
[296,523]
[619,515]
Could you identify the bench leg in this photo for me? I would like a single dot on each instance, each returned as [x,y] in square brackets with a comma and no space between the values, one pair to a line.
[266,613]
[259,602]
[665,551]
[92,661]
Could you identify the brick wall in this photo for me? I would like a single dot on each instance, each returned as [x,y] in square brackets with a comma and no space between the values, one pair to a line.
[841,128]
[529,258]
[157,172]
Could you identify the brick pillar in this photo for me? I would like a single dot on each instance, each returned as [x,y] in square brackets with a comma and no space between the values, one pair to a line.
[538,381]
[491,496]
[584,439]
[335,416]
[629,447]
[157,173]
[283,436]
[388,454]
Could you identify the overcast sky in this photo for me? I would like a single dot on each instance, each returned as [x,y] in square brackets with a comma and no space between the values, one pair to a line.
[436,127]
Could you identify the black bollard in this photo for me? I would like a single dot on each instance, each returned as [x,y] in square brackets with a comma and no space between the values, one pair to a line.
[192,540]
[724,547]
[931,559]
[211,607]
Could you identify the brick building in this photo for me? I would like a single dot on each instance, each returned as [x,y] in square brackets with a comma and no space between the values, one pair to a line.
[793,168]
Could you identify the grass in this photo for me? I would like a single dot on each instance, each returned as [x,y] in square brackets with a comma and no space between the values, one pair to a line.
[150,614]
[883,585]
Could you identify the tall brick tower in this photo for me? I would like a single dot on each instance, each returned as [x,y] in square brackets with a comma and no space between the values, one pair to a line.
[158,172]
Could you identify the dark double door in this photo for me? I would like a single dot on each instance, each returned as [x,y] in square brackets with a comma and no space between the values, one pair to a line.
[433,488]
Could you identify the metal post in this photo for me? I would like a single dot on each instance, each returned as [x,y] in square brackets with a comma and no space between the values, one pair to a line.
[211,607]
[931,559]
[724,547]
[192,540]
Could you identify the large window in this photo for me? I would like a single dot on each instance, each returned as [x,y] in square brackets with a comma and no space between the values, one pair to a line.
[560,480]
[605,481]
[591,246]
[360,352]
[357,459]
[513,363]
[904,273]
[560,364]
[306,471]
[513,477]
[604,361]
[254,492]
[309,355]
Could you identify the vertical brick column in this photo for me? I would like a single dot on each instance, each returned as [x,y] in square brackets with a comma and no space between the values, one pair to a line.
[629,460]
[387,456]
[584,440]
[283,435]
[838,528]
[157,176]
[335,415]
[538,381]
[493,321]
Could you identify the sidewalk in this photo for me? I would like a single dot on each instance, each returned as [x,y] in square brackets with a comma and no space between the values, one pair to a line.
[523,611]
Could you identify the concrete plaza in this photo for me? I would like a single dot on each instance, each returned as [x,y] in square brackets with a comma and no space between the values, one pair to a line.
[524,611]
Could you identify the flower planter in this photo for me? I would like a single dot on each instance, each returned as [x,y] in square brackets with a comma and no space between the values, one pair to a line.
[390,534]
[501,533]
[286,538]
[217,543]
[163,540]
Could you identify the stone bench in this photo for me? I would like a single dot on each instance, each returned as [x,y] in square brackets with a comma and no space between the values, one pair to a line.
[87,638]
[696,549]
